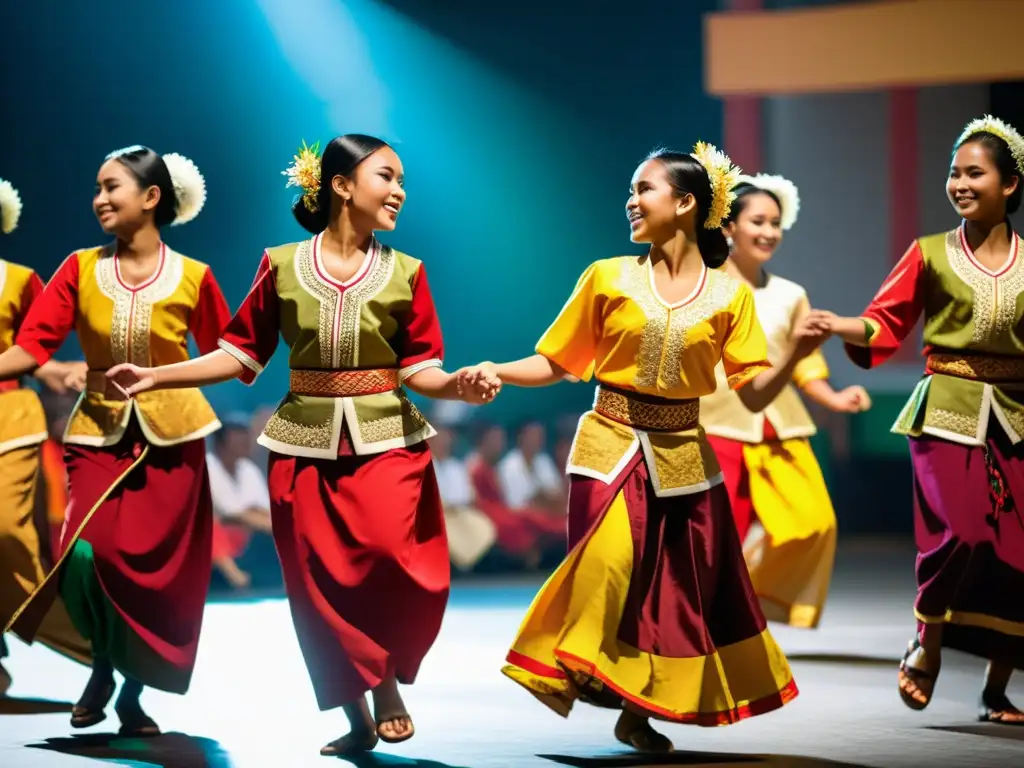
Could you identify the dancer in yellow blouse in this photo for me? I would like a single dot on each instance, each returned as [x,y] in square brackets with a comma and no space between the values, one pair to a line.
[770,470]
[23,558]
[652,611]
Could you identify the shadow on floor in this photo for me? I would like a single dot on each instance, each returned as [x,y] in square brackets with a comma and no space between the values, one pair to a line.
[10,705]
[169,750]
[849,659]
[380,760]
[696,759]
[992,730]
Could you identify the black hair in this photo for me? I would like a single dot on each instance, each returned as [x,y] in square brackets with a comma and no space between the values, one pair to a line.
[1004,161]
[688,177]
[340,158]
[744,191]
[150,170]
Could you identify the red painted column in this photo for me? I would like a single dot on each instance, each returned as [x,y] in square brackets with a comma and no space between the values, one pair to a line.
[741,118]
[904,187]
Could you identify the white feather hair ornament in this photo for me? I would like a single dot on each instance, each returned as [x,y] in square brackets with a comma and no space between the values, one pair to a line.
[784,189]
[1000,128]
[10,207]
[189,187]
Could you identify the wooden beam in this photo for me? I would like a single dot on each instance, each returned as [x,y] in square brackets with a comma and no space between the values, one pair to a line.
[860,46]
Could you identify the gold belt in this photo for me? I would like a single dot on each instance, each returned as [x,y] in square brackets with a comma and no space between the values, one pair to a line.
[645,413]
[344,383]
[986,368]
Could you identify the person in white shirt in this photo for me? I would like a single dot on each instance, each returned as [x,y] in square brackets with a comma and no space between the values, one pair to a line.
[471,534]
[241,500]
[528,476]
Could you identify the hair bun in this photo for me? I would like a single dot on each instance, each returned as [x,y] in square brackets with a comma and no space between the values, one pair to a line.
[10,207]
[189,187]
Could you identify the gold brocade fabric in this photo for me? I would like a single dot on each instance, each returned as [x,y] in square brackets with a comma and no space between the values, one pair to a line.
[343,383]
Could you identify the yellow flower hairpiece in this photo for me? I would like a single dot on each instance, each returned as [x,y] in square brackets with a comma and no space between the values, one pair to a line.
[304,172]
[723,175]
[1003,130]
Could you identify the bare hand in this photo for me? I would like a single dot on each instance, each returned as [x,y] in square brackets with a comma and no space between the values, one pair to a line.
[478,383]
[813,331]
[75,376]
[853,399]
[131,379]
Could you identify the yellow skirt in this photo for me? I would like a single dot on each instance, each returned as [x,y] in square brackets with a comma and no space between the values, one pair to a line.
[21,562]
[791,554]
[651,608]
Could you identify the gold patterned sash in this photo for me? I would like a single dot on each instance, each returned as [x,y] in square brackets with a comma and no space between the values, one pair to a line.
[645,412]
[986,368]
[344,383]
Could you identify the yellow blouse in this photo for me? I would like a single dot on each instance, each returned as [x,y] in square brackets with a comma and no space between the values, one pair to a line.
[779,304]
[22,421]
[616,328]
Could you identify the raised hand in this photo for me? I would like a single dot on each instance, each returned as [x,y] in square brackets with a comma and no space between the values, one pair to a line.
[131,379]
[853,399]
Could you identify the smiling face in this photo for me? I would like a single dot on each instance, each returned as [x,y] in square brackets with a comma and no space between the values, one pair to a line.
[975,187]
[654,205]
[757,230]
[375,192]
[120,203]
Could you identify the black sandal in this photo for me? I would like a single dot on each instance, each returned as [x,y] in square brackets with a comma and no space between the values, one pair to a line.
[998,709]
[646,739]
[351,744]
[915,676]
[91,708]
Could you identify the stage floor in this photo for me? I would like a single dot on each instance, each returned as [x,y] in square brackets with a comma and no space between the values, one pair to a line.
[251,704]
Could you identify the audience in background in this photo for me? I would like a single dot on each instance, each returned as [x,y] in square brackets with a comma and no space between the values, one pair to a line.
[241,502]
[471,533]
[525,533]
[505,510]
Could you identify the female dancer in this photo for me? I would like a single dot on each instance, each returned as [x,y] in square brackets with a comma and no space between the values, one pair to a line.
[135,551]
[24,555]
[769,467]
[360,322]
[964,419]
[652,610]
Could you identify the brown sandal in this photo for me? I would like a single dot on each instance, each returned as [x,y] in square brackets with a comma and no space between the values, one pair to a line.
[396,739]
[916,677]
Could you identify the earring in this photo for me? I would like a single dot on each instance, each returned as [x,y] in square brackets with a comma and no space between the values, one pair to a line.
[728,242]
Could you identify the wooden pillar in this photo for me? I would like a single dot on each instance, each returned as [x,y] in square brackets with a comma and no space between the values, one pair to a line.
[904,184]
[741,116]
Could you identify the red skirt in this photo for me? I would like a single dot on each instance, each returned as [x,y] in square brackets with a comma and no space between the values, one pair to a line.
[365,561]
[150,537]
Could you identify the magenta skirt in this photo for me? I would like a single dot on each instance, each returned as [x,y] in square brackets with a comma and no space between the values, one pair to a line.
[969,528]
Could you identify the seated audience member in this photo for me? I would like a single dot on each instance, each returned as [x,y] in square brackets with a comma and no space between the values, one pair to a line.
[241,504]
[528,475]
[471,534]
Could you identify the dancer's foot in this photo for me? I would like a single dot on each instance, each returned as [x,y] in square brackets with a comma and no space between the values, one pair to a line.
[352,743]
[394,724]
[5,680]
[635,731]
[134,720]
[90,707]
[233,575]
[997,708]
[363,734]
[917,675]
